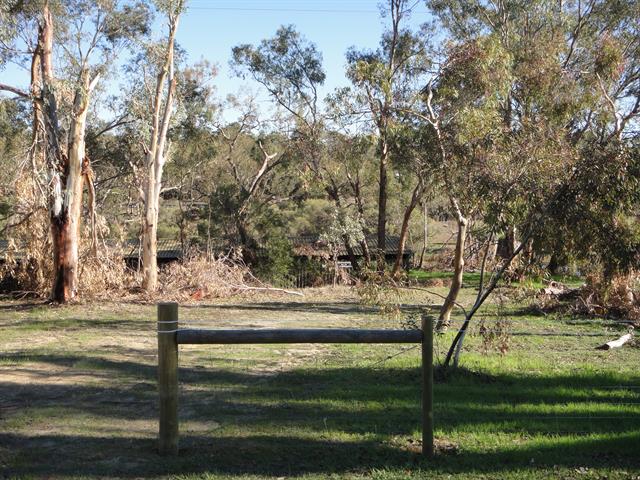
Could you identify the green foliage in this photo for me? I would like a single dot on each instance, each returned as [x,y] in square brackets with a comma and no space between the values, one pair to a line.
[593,216]
[608,57]
[13,125]
[288,65]
[342,227]
[275,262]
[170,8]
[474,82]
[528,95]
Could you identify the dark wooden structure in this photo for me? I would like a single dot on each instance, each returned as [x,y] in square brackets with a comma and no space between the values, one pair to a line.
[167,251]
[312,247]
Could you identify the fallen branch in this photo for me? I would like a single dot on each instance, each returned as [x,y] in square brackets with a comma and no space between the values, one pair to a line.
[554,289]
[270,289]
[616,343]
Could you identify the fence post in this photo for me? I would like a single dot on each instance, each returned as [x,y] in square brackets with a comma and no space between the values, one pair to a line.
[427,385]
[168,377]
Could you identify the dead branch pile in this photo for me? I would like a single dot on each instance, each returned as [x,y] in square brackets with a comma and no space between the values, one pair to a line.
[616,298]
[197,278]
[106,275]
[28,262]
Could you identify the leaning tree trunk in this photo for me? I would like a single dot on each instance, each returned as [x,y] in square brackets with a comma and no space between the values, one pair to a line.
[456,284]
[404,230]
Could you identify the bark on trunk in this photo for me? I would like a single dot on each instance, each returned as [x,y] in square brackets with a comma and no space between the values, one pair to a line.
[88,179]
[67,270]
[456,283]
[66,225]
[425,233]
[63,270]
[382,207]
[66,178]
[357,192]
[155,160]
[404,230]
[149,251]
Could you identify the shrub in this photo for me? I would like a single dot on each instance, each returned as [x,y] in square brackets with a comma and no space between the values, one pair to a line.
[275,263]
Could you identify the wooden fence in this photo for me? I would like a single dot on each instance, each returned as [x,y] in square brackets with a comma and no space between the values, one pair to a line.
[170,336]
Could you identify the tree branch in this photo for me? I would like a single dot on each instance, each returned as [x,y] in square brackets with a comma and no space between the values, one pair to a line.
[15,91]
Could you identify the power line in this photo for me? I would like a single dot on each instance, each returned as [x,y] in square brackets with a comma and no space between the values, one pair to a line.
[289,10]
[294,8]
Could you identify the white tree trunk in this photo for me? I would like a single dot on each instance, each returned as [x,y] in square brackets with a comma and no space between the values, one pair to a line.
[149,233]
[155,159]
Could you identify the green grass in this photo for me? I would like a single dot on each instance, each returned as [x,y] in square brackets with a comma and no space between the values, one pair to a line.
[468,278]
[472,279]
[78,397]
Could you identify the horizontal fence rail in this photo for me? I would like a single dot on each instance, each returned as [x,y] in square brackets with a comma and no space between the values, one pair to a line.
[305,335]
[170,337]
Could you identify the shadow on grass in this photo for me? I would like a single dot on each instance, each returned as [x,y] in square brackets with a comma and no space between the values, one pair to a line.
[44,324]
[341,308]
[290,423]
[131,457]
[21,307]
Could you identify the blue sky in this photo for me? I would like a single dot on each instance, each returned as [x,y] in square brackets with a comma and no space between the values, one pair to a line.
[210,28]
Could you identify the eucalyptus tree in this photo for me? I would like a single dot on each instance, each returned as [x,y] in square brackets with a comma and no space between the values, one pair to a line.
[248,158]
[460,109]
[384,80]
[415,158]
[85,37]
[289,67]
[572,82]
[574,64]
[153,105]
